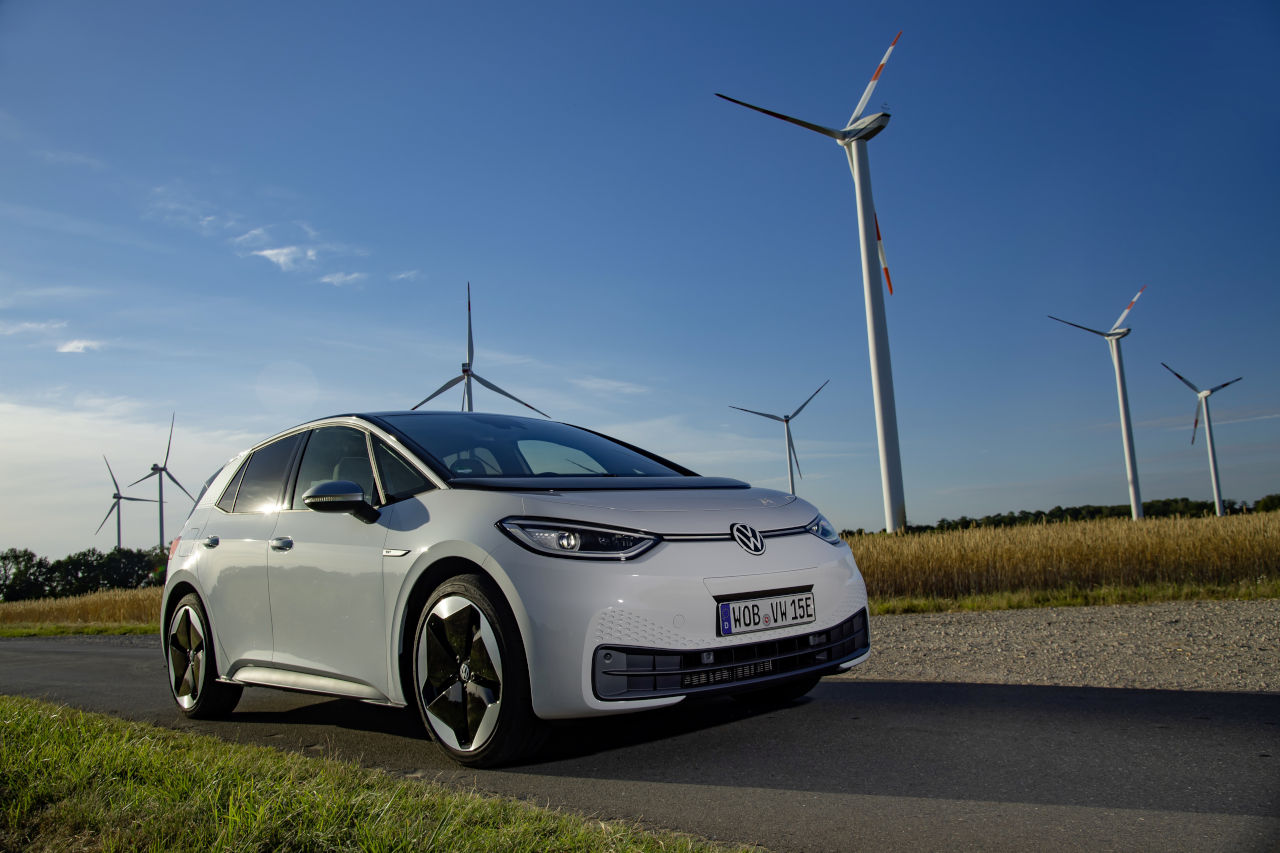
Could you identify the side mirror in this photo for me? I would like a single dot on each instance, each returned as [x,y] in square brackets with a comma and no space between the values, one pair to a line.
[341,496]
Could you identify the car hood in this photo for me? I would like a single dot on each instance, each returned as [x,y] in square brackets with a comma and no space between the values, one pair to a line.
[675,511]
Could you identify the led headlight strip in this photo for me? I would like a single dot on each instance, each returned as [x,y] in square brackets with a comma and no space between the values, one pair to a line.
[557,538]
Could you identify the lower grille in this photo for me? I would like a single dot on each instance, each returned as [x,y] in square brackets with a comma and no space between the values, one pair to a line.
[624,672]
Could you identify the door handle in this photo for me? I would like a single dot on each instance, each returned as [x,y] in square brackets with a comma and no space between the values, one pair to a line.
[281,543]
[210,541]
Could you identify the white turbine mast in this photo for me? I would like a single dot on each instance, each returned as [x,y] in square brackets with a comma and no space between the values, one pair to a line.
[1202,404]
[853,139]
[468,374]
[786,420]
[116,498]
[1126,430]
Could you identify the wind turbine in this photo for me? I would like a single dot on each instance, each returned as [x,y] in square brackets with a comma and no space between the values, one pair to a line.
[468,374]
[160,471]
[853,139]
[115,505]
[786,428]
[1203,403]
[1113,343]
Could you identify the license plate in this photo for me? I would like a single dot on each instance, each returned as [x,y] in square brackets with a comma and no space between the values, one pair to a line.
[763,614]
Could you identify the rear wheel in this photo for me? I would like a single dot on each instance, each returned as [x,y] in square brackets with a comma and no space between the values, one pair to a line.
[193,669]
[779,694]
[470,674]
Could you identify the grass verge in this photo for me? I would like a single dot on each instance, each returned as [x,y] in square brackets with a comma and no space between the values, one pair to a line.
[71,780]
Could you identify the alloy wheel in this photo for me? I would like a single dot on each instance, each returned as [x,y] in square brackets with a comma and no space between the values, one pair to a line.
[459,665]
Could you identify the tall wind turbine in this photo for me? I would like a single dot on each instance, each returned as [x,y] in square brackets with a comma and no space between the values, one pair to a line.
[1113,343]
[1202,402]
[115,505]
[160,471]
[468,374]
[786,428]
[853,139]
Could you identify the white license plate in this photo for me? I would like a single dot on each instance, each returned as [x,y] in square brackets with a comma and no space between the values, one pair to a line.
[763,614]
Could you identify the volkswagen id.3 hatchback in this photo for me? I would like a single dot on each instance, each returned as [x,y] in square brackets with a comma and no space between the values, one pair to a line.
[494,572]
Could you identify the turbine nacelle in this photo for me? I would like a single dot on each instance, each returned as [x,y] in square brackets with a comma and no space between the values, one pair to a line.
[864,128]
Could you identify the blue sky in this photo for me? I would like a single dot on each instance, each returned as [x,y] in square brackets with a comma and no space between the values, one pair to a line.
[256,214]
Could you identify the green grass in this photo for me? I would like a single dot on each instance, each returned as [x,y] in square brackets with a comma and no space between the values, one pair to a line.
[1075,596]
[71,780]
[56,629]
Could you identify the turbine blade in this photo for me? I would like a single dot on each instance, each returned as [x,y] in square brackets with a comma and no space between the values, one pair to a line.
[436,393]
[115,507]
[1224,384]
[1195,423]
[140,479]
[1128,308]
[112,473]
[471,347]
[875,78]
[170,445]
[816,128]
[884,264]
[1184,379]
[493,387]
[811,396]
[141,500]
[179,485]
[792,447]
[1078,326]
[761,414]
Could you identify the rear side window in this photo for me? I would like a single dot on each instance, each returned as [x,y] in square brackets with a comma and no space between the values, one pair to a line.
[262,480]
[228,499]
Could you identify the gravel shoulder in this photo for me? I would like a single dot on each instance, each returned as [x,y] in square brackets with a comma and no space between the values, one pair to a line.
[1185,645]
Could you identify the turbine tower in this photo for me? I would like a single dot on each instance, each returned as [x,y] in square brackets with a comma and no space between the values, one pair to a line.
[786,428]
[1113,343]
[468,374]
[115,505]
[853,139]
[1202,402]
[160,471]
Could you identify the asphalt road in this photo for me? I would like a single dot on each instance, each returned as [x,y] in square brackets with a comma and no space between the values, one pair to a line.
[861,765]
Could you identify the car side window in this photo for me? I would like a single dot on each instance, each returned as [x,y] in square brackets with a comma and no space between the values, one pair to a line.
[399,478]
[335,453]
[262,480]
[228,499]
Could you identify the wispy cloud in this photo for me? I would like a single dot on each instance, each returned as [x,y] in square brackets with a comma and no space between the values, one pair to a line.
[608,386]
[289,257]
[175,204]
[23,328]
[338,279]
[406,275]
[79,345]
[69,158]
[255,237]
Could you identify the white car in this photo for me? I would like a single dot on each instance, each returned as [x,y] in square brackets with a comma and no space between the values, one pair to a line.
[498,571]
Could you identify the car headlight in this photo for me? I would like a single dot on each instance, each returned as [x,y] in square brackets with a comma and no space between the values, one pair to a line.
[577,541]
[824,530]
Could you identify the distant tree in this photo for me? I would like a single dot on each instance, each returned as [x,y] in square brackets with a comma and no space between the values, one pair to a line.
[24,575]
[1270,503]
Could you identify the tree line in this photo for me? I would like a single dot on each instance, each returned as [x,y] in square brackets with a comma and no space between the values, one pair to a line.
[1165,508]
[24,576]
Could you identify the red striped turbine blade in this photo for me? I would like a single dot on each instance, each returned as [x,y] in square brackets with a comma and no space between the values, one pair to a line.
[884,265]
[875,78]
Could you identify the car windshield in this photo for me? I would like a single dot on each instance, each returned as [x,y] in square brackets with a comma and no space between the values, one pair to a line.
[470,445]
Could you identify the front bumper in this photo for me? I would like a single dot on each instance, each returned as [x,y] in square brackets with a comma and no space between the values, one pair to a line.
[627,672]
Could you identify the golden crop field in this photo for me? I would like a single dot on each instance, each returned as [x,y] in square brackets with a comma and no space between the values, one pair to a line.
[1082,554]
[99,609]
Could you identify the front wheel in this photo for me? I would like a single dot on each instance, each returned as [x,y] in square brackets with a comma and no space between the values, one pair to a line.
[193,670]
[470,675]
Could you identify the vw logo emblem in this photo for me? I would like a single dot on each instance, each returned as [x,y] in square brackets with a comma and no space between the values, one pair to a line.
[748,537]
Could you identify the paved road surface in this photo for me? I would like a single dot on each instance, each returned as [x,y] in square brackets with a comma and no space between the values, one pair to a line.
[863,765]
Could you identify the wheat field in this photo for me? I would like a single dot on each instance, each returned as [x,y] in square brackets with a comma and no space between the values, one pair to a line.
[107,609]
[1081,554]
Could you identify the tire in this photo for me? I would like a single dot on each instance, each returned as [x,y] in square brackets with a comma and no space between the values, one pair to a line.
[470,675]
[192,667]
[779,694]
